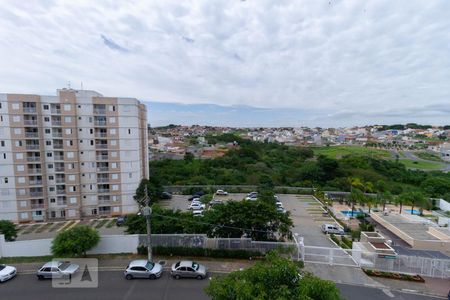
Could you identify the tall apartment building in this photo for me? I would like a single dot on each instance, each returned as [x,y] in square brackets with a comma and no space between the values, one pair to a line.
[74,155]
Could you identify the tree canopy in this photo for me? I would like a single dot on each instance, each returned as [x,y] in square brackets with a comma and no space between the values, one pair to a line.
[273,278]
[75,241]
[8,229]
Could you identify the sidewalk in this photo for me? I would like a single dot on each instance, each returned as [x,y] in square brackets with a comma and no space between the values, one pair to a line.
[355,276]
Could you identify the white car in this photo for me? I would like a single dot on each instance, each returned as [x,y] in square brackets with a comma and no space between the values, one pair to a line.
[197,206]
[197,213]
[7,272]
[251,198]
[221,193]
[143,269]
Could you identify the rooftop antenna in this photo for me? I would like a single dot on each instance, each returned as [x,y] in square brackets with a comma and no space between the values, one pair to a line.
[68,84]
[82,85]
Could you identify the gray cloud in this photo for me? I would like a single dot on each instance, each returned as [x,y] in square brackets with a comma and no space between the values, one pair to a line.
[348,59]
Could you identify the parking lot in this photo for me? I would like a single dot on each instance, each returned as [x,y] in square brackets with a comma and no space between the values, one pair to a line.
[305,211]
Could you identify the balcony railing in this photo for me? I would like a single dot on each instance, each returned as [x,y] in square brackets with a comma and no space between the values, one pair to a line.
[31,134]
[100,123]
[102,179]
[102,169]
[101,146]
[33,158]
[36,194]
[60,191]
[104,201]
[60,180]
[29,109]
[55,110]
[38,205]
[56,122]
[99,111]
[58,146]
[38,218]
[102,157]
[30,122]
[35,182]
[103,190]
[57,134]
[35,171]
[59,157]
[32,146]
[61,202]
[101,134]
[59,169]
[104,212]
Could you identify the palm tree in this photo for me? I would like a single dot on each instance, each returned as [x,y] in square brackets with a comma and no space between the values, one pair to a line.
[417,199]
[356,196]
[401,199]
[384,197]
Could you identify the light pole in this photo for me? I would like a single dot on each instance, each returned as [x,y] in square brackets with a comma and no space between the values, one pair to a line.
[147,211]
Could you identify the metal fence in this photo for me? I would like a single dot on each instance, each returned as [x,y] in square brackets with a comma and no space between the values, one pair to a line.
[424,266]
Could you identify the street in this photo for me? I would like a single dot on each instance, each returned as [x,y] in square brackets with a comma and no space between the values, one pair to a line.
[113,286]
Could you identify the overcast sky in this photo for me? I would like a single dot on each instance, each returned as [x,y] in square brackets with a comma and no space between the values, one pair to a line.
[333,62]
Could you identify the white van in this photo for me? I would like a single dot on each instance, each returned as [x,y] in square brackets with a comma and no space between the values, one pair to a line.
[331,229]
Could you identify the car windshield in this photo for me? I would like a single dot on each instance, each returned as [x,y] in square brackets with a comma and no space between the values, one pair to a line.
[195,266]
[63,266]
[149,265]
[2,267]
[177,264]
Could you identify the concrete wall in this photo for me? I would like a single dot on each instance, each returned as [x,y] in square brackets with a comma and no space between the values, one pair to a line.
[393,229]
[444,205]
[108,244]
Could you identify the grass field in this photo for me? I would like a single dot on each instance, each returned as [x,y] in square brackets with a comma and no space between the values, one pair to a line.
[422,165]
[340,151]
[428,156]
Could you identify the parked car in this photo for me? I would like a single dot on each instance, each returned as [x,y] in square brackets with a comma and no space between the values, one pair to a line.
[7,272]
[121,220]
[252,194]
[197,213]
[215,202]
[221,193]
[143,269]
[166,195]
[188,269]
[332,229]
[251,198]
[57,269]
[281,209]
[197,206]
[192,198]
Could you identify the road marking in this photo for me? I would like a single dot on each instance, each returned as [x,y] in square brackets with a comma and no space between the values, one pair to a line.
[388,292]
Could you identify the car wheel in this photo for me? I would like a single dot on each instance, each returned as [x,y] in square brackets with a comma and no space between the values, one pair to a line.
[177,276]
[199,277]
[129,277]
[40,277]
[152,276]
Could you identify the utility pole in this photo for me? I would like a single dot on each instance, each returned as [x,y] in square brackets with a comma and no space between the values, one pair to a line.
[147,211]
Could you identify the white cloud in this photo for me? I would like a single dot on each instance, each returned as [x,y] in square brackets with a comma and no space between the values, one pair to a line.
[352,56]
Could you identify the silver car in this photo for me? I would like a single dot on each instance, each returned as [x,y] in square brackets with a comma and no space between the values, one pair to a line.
[188,269]
[7,272]
[57,269]
[143,269]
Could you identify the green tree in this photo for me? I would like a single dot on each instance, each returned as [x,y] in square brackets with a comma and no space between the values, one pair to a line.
[8,229]
[75,241]
[356,196]
[154,190]
[273,278]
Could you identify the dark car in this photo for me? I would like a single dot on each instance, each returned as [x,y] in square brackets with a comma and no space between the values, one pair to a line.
[121,220]
[166,195]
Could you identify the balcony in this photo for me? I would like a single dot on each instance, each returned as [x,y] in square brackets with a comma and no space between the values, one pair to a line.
[104,212]
[101,146]
[30,122]
[102,179]
[60,203]
[32,146]
[59,157]
[35,171]
[55,111]
[33,158]
[58,146]
[38,218]
[104,201]
[101,134]
[100,123]
[102,157]
[36,194]
[103,190]
[31,134]
[60,191]
[57,134]
[102,169]
[59,169]
[99,111]
[56,122]
[35,182]
[29,109]
[37,206]
[60,180]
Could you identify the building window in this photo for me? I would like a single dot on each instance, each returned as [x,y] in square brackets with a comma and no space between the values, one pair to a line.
[46,119]
[15,106]
[47,131]
[67,107]
[49,154]
[16,119]
[50,166]
[6,179]
[46,107]
[129,131]
[112,120]
[68,119]
[48,143]
[2,143]
[51,177]
[92,142]
[52,200]
[51,189]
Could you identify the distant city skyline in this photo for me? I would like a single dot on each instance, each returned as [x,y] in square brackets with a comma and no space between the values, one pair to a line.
[299,62]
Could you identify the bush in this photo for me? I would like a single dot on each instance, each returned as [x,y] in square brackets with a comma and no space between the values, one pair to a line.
[75,241]
[8,229]
[347,242]
[200,252]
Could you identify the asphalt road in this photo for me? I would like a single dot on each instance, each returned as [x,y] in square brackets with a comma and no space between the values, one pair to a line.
[113,286]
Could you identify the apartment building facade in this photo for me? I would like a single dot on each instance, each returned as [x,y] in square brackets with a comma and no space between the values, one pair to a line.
[70,156]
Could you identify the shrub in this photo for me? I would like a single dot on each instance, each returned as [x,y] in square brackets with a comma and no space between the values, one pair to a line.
[8,229]
[200,252]
[75,241]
